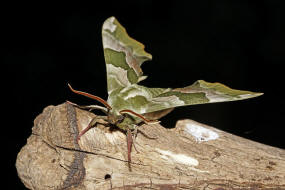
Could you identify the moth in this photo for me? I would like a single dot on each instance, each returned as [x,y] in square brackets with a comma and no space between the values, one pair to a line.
[130,104]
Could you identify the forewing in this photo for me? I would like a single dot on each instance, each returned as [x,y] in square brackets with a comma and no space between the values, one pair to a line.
[123,56]
[201,92]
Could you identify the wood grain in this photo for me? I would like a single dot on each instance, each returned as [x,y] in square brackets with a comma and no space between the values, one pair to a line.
[171,159]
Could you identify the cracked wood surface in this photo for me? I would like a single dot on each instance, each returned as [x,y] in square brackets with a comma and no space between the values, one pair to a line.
[175,159]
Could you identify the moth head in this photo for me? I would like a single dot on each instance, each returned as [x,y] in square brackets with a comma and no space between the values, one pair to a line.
[115,117]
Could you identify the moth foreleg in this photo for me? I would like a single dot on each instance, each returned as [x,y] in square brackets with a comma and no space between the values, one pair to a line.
[91,124]
[89,107]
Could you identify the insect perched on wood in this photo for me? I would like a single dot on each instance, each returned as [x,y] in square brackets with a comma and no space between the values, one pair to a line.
[130,104]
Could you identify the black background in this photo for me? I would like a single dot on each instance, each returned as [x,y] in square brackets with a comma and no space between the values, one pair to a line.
[238,43]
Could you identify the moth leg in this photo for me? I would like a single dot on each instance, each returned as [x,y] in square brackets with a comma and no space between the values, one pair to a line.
[91,124]
[89,107]
[134,135]
[129,145]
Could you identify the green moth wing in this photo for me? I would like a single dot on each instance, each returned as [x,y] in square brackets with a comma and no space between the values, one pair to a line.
[123,56]
[144,100]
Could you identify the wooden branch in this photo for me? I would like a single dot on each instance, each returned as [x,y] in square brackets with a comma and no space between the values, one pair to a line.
[190,156]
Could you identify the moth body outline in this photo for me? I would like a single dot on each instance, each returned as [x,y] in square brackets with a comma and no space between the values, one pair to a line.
[130,104]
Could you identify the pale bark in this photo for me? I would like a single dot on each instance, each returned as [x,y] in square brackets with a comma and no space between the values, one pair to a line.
[171,159]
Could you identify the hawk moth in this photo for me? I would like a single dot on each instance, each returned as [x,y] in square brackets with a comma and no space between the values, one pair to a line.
[129,103]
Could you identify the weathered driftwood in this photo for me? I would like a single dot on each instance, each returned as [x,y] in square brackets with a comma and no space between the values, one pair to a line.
[190,156]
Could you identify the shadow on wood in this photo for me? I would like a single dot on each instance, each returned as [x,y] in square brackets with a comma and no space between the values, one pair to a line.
[190,156]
